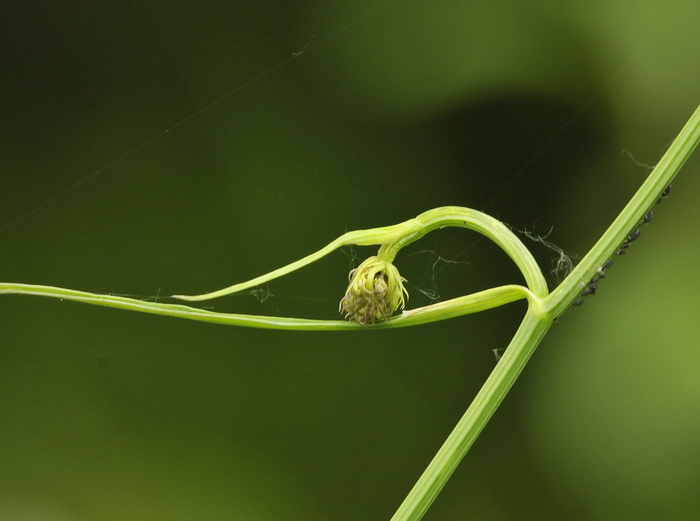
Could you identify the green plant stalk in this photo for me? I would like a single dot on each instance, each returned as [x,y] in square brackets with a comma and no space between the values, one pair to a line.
[475,302]
[543,308]
[537,322]
[393,238]
[629,218]
[531,331]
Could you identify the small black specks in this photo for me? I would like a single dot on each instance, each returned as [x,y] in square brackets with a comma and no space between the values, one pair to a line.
[605,267]
[664,194]
[590,289]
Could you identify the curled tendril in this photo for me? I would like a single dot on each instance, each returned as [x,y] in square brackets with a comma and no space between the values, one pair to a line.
[375,292]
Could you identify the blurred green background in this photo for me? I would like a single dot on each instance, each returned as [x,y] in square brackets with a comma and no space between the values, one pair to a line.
[206,143]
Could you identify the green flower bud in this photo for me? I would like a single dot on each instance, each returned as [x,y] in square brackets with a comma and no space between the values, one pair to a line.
[375,292]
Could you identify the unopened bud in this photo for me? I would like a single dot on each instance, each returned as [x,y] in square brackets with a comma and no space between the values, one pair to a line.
[375,292]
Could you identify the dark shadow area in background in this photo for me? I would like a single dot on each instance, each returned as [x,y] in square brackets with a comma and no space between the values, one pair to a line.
[512,135]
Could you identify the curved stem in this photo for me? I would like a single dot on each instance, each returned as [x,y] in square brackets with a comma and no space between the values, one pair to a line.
[462,217]
[371,237]
[393,238]
[496,231]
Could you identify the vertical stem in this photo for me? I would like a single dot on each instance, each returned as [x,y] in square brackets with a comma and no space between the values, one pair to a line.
[529,334]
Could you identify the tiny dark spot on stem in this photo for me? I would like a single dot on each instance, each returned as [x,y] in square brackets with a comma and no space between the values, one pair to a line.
[590,289]
[664,194]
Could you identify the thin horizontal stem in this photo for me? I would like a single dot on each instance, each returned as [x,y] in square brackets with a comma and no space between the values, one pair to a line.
[463,305]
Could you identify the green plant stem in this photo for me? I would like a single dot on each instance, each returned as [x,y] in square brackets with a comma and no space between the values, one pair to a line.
[393,238]
[532,329]
[629,218]
[537,322]
[466,304]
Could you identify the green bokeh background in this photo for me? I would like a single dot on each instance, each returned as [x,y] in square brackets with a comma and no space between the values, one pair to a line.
[287,124]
